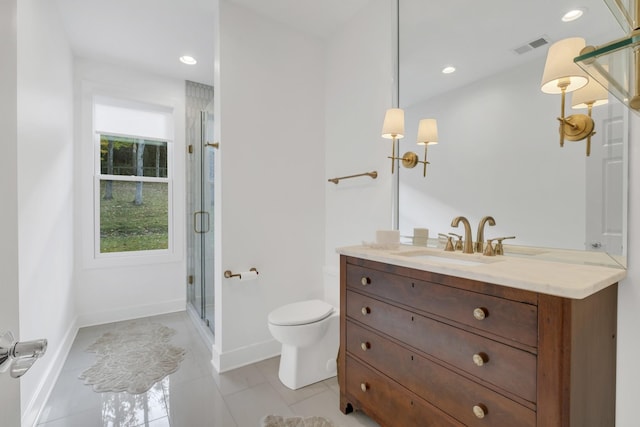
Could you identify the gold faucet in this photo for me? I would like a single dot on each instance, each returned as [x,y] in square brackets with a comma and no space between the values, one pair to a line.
[468,239]
[480,236]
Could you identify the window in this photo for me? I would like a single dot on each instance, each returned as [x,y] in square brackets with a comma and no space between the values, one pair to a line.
[133,183]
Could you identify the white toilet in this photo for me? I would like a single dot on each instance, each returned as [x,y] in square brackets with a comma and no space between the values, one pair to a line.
[310,335]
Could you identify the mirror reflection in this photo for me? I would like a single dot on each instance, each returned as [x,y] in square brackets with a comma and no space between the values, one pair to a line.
[498,150]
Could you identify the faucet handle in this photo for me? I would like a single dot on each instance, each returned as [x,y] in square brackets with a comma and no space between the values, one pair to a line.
[499,247]
[458,246]
[449,246]
[488,249]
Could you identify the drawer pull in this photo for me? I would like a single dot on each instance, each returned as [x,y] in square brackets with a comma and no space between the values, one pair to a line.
[365,281]
[364,387]
[365,311]
[480,313]
[480,359]
[365,346]
[480,411]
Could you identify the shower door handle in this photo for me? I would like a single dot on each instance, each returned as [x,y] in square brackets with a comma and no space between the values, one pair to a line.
[18,357]
[196,215]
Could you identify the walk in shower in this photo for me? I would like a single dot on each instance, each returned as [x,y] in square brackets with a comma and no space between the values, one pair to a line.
[200,203]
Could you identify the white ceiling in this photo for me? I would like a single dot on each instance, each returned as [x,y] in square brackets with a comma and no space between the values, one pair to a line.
[478,37]
[151,35]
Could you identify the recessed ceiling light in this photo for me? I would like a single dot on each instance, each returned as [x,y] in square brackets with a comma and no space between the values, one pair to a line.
[572,15]
[189,60]
[448,69]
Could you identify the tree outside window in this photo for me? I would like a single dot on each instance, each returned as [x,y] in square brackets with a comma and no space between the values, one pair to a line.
[134,194]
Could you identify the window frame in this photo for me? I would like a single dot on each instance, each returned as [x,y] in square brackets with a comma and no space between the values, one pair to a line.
[90,152]
[99,176]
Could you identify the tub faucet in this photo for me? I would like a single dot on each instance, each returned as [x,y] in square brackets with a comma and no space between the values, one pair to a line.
[480,236]
[468,239]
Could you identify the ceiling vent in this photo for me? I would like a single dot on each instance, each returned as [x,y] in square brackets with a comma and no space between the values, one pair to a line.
[534,44]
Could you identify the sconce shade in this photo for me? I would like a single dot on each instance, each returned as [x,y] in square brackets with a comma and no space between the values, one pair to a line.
[427,132]
[593,93]
[560,66]
[393,126]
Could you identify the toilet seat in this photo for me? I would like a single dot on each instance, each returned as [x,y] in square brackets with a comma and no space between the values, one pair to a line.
[300,313]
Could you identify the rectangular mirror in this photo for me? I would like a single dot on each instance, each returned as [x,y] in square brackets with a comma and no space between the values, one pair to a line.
[498,152]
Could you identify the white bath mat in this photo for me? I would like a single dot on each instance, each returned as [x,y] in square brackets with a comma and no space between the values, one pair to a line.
[278,421]
[132,358]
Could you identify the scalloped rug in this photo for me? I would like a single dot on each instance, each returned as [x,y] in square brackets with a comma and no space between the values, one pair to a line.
[132,358]
[278,421]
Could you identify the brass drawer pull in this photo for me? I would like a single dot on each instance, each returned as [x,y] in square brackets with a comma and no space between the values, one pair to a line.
[480,313]
[480,359]
[365,280]
[480,411]
[365,311]
[365,346]
[364,387]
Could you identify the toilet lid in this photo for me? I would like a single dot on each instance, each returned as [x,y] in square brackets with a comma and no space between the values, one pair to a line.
[300,313]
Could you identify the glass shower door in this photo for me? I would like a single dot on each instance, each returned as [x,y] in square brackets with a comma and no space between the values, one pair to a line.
[200,293]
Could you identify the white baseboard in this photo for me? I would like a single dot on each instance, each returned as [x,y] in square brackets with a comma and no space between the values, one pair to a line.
[32,410]
[226,361]
[223,362]
[128,313]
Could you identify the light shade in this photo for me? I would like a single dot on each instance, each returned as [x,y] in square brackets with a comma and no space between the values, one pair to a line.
[561,68]
[427,132]
[593,93]
[393,126]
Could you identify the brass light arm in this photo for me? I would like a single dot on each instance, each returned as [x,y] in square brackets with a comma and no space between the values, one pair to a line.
[393,153]
[589,107]
[425,162]
[577,126]
[563,87]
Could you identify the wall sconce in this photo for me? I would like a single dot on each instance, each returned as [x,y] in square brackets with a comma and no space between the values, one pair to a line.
[591,95]
[427,135]
[393,128]
[561,75]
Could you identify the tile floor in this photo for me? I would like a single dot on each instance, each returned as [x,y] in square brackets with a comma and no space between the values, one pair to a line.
[194,396]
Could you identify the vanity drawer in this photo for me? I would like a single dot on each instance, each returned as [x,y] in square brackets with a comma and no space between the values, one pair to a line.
[506,367]
[389,403]
[513,320]
[438,385]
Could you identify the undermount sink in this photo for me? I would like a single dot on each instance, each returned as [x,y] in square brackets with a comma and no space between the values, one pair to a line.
[443,258]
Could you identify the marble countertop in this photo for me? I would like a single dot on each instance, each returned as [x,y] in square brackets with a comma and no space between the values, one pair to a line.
[564,273]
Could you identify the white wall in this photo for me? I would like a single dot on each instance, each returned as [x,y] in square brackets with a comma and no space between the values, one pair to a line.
[498,155]
[109,290]
[270,177]
[629,298]
[9,387]
[45,200]
[359,89]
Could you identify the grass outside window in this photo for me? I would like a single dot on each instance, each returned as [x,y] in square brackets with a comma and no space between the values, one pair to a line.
[127,226]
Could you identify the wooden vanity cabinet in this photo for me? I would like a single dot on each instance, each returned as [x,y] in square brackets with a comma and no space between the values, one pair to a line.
[424,349]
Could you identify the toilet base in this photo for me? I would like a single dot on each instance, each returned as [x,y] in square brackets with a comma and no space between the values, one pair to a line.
[316,367]
[302,366]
